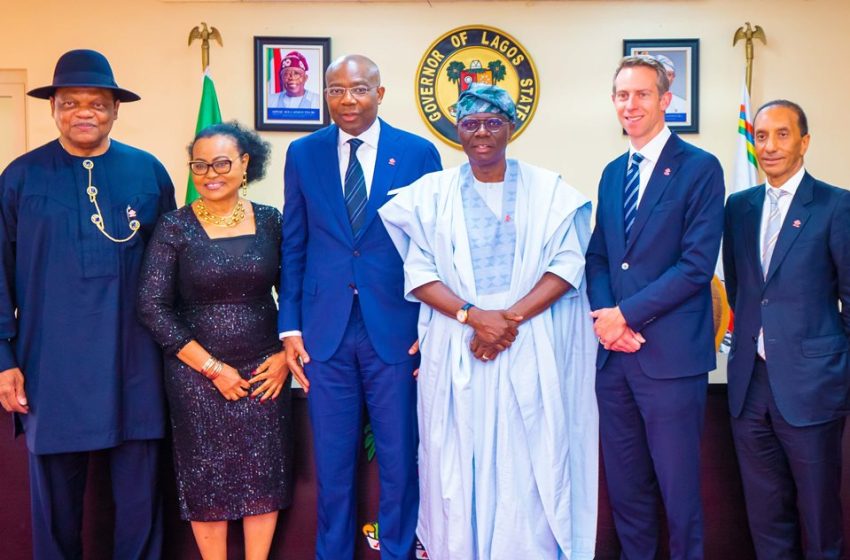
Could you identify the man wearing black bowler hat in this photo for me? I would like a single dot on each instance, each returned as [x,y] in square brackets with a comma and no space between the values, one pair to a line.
[77,369]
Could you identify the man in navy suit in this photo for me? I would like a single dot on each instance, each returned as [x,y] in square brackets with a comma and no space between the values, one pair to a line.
[786,257]
[649,267]
[342,307]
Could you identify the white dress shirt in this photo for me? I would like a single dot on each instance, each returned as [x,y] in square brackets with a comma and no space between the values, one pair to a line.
[650,152]
[367,153]
[783,204]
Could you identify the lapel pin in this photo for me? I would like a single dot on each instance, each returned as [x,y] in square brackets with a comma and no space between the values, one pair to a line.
[796,223]
[507,217]
[391,161]
[666,171]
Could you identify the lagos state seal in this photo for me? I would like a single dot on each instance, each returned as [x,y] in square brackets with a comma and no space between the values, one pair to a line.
[469,55]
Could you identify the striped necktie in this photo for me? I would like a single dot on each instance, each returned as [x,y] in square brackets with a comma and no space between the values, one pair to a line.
[771,232]
[355,188]
[630,194]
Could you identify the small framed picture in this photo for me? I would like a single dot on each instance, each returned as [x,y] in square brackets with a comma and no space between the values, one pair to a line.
[680,57]
[288,77]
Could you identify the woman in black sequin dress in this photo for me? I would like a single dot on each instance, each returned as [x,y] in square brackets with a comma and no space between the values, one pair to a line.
[206,294]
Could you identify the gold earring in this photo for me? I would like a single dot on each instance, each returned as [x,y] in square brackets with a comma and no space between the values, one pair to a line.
[244,185]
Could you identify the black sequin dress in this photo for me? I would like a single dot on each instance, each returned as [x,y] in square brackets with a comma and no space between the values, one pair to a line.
[232,458]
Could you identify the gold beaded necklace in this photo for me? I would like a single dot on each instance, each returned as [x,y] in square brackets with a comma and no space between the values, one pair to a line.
[233,220]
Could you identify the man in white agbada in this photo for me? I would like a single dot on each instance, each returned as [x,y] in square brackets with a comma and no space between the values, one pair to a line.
[508,425]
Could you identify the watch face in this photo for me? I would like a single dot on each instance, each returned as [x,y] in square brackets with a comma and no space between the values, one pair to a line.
[462,315]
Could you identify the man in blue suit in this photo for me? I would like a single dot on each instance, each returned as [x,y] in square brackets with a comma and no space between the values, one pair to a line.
[786,257]
[649,267]
[342,307]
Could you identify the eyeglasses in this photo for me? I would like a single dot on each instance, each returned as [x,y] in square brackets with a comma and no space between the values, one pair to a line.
[472,126]
[220,166]
[356,91]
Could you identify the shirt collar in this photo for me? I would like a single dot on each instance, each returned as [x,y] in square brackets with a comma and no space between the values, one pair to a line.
[652,149]
[369,136]
[791,184]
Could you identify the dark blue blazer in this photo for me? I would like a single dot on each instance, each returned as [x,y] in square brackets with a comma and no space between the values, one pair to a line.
[806,333]
[322,262]
[661,278]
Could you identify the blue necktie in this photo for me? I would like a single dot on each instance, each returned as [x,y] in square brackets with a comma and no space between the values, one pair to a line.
[355,188]
[630,194]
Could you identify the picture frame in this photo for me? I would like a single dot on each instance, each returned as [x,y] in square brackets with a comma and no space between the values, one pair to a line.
[294,104]
[682,115]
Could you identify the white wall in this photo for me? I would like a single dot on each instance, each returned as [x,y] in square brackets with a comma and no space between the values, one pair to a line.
[575,45]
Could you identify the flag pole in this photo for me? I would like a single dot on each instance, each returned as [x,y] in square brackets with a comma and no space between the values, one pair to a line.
[745,175]
[208,111]
[747,33]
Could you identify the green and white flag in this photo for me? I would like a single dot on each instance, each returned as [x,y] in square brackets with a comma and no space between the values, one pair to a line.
[208,114]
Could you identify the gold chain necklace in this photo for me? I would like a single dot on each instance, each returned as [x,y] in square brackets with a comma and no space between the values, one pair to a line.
[233,220]
[97,218]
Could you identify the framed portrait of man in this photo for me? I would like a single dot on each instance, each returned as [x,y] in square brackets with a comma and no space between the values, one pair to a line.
[680,58]
[288,77]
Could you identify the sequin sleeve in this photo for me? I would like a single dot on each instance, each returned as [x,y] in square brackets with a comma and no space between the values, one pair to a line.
[157,298]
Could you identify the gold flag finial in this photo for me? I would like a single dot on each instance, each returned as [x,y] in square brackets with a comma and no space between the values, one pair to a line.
[205,35]
[749,33]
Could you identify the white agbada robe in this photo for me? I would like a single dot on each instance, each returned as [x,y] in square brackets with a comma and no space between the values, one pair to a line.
[535,472]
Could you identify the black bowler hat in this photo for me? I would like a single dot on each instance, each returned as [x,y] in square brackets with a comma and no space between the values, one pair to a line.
[83,68]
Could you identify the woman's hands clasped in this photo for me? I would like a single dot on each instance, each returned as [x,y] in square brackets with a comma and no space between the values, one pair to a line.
[271,375]
[268,381]
[230,384]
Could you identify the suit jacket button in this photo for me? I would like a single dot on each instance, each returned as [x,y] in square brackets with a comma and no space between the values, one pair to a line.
[356,253]
[624,266]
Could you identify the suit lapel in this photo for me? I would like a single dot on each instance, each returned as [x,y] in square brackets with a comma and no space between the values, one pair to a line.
[386,162]
[665,170]
[617,214]
[795,221]
[751,226]
[327,163]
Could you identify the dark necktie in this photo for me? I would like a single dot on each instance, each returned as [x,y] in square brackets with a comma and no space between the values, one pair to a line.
[355,188]
[630,194]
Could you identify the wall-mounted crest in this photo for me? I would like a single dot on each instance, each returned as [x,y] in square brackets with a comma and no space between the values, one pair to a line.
[467,55]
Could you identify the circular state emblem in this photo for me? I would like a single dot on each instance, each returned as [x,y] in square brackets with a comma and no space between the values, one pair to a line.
[470,55]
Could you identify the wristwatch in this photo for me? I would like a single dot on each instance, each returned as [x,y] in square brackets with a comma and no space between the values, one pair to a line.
[463,313]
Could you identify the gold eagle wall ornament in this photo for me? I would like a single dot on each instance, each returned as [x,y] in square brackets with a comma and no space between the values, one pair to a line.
[204,34]
[747,33]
